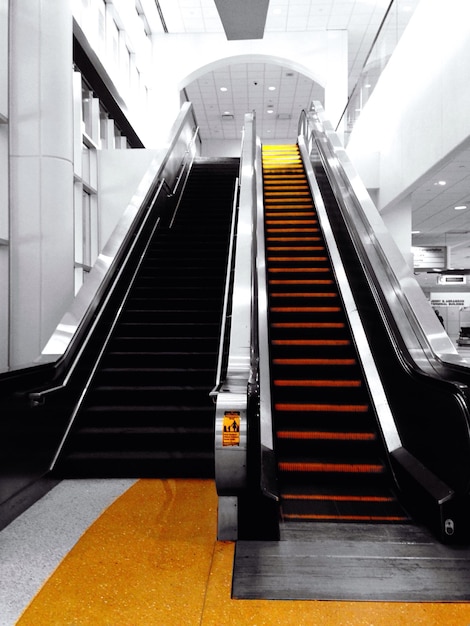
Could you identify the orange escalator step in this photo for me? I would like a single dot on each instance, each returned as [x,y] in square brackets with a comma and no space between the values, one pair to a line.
[321,408]
[291,239]
[310,342]
[290,222]
[291,214]
[327,436]
[292,230]
[305,309]
[314,361]
[307,325]
[342,468]
[295,248]
[317,383]
[336,498]
[302,294]
[347,518]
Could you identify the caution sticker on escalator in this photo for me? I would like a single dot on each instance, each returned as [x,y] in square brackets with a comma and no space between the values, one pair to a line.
[231,428]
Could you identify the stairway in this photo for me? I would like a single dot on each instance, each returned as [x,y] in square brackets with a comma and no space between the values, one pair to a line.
[148,412]
[331,461]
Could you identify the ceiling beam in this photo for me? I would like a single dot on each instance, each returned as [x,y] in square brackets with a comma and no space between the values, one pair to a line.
[243,19]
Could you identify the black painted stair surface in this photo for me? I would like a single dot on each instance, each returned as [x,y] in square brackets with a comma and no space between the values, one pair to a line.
[148,412]
[331,460]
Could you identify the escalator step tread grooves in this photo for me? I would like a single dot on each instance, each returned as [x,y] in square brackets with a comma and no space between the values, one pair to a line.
[330,457]
[148,412]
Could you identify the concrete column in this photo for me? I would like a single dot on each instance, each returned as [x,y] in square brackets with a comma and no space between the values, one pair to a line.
[41,172]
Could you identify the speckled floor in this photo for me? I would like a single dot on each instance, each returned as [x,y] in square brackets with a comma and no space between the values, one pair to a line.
[152,558]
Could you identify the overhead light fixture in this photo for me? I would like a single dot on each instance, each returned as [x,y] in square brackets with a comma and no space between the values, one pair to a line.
[270,111]
[461,207]
[223,89]
[272,88]
[441,183]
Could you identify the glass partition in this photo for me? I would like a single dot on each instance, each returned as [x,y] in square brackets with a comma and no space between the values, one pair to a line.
[396,19]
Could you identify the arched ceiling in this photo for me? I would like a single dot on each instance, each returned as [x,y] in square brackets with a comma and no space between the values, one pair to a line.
[277,94]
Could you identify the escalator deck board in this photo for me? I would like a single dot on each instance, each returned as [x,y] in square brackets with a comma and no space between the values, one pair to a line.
[352,562]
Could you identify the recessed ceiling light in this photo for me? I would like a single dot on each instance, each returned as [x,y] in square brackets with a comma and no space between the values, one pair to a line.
[461,207]
[270,111]
[440,182]
[272,88]
[223,89]
[415,232]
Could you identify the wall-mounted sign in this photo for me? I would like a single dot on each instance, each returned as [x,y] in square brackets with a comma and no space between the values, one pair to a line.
[439,299]
[451,279]
[429,257]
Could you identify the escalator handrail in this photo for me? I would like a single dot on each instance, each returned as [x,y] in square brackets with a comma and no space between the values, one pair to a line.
[38,397]
[395,294]
[267,461]
[68,342]
[427,343]
[221,370]
[378,397]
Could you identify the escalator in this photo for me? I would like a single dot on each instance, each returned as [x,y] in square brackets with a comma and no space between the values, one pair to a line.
[147,410]
[362,452]
[331,461]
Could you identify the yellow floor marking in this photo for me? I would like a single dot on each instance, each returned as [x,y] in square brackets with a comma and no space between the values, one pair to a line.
[152,559]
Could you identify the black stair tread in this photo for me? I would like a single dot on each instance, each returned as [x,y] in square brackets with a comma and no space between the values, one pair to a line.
[166,370]
[146,430]
[138,455]
[154,408]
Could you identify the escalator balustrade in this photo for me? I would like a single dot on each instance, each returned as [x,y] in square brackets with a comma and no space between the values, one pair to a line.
[148,411]
[330,458]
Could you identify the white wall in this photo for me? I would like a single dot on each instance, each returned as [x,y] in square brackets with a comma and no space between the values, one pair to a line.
[120,172]
[221,148]
[419,110]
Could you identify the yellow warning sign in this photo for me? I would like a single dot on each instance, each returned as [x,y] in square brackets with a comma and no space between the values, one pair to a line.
[231,429]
